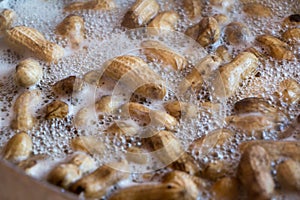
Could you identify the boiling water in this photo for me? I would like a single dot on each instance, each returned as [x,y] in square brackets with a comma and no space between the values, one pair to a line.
[106,39]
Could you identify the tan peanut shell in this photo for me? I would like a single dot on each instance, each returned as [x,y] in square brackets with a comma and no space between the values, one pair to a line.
[25,38]
[84,162]
[157,51]
[288,175]
[254,104]
[237,33]
[18,148]
[223,53]
[57,109]
[209,31]
[91,5]
[215,170]
[164,21]
[226,188]
[222,19]
[68,86]
[179,109]
[7,17]
[257,10]
[292,36]
[88,144]
[140,13]
[193,8]
[185,163]
[123,128]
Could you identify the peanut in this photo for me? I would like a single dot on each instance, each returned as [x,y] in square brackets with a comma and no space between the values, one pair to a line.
[18,148]
[88,144]
[293,128]
[223,53]
[84,162]
[57,109]
[107,104]
[123,128]
[140,13]
[237,33]
[136,74]
[275,47]
[253,104]
[292,20]
[257,10]
[164,21]
[25,38]
[185,163]
[23,116]
[254,172]
[226,188]
[95,184]
[69,85]
[292,36]
[6,19]
[72,28]
[225,4]
[91,5]
[288,174]
[29,164]
[221,19]
[215,170]
[137,155]
[193,8]
[180,110]
[28,72]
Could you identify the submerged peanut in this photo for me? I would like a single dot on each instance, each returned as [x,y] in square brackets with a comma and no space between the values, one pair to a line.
[292,36]
[237,33]
[193,8]
[25,38]
[157,51]
[292,20]
[18,148]
[91,5]
[106,104]
[137,155]
[215,170]
[165,21]
[233,73]
[95,184]
[221,19]
[126,128]
[57,109]
[29,165]
[181,110]
[223,53]
[69,85]
[6,19]
[224,4]
[275,47]
[257,10]
[185,163]
[24,119]
[140,13]
[28,72]
[254,104]
[88,144]
[254,172]
[84,162]
[226,188]
[288,174]
[72,28]
[133,72]
[289,91]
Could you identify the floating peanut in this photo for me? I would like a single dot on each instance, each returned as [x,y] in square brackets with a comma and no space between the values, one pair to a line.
[95,184]
[237,33]
[254,104]
[126,128]
[193,8]
[93,77]
[293,128]
[233,73]
[223,53]
[288,174]
[91,5]
[145,116]
[181,110]
[257,53]
[88,144]
[69,85]
[221,19]
[6,19]
[292,36]
[28,72]
[204,145]
[257,10]
[23,116]
[156,51]
[207,32]
[165,21]
[275,47]
[107,104]
[72,28]
[255,172]
[215,170]
[140,13]
[30,164]
[136,74]
[57,109]
[185,163]
[224,4]
[195,78]
[276,149]
[226,188]
[84,162]
[292,20]
[25,38]
[18,148]
[289,91]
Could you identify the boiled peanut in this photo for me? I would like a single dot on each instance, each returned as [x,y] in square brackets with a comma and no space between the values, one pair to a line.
[225,4]
[18,148]
[91,5]
[226,188]
[292,36]
[209,31]
[6,19]
[180,110]
[28,72]
[69,85]
[185,163]
[30,164]
[164,21]
[288,174]
[88,144]
[123,128]
[140,13]
[57,109]
[193,8]
[292,20]
[237,33]
[216,169]
[253,104]
[223,53]
[257,10]
[106,104]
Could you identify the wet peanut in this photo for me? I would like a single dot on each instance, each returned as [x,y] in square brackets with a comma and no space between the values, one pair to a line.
[67,86]
[207,32]
[226,188]
[23,114]
[123,128]
[237,33]
[136,75]
[253,104]
[137,155]
[157,51]
[233,73]
[293,128]
[28,72]
[106,104]
[204,145]
[223,53]
[64,175]
[292,20]
[6,19]
[221,19]
[292,36]
[91,5]
[275,47]
[84,162]
[25,38]
[72,28]
[257,10]
[29,165]
[289,91]
[140,13]
[88,144]
[217,169]
[18,148]
[254,172]
[288,174]
[93,77]
[224,4]
[195,78]
[57,109]
[180,110]
[95,184]
[193,8]
[185,163]
[145,116]
[164,21]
